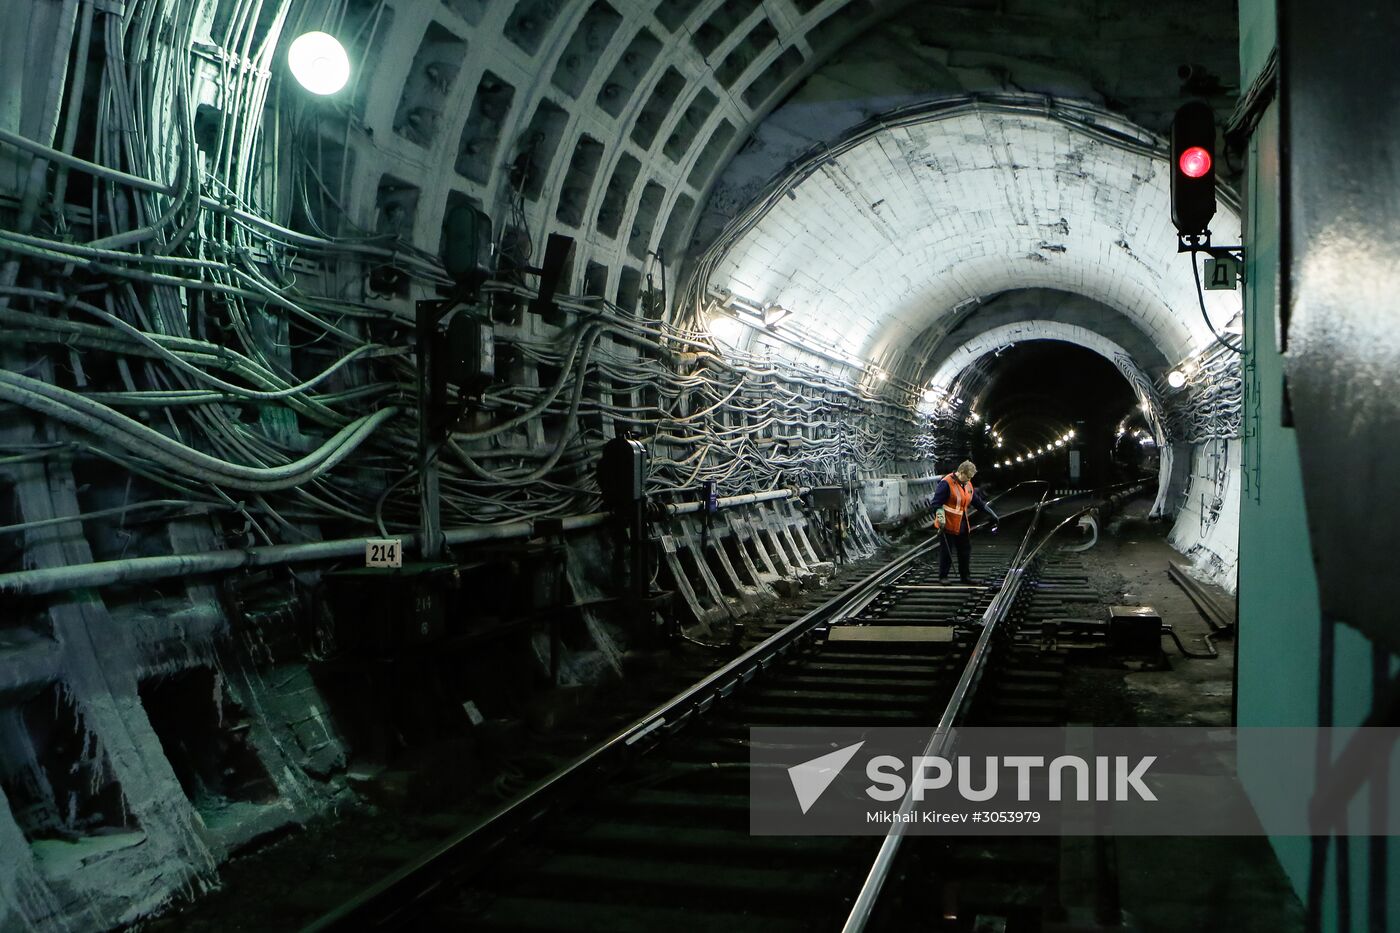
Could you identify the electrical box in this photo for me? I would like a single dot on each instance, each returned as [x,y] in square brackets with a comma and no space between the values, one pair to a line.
[380,612]
[622,472]
[469,352]
[887,498]
[466,245]
[1134,631]
[710,491]
[551,271]
[828,497]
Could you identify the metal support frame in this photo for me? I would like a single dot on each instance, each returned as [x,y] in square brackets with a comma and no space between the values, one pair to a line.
[1200,243]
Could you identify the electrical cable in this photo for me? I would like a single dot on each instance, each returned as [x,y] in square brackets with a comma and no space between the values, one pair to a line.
[1201,297]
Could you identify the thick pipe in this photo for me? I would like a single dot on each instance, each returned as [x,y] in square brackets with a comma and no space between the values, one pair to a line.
[142,569]
[749,498]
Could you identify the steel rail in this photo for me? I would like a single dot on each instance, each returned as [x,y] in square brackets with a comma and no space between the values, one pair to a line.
[381,903]
[941,740]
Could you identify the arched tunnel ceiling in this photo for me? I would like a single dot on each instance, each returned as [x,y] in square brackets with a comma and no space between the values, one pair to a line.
[1044,309]
[874,249]
[621,112]
[1008,334]
[1138,60]
[630,111]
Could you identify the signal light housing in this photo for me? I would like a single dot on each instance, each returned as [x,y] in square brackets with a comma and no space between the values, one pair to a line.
[1193,169]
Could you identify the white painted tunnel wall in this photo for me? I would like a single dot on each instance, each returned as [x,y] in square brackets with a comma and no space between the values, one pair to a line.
[1207,528]
[874,250]
[880,243]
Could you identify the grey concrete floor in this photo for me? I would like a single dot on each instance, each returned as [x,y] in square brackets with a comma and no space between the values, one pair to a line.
[1179,884]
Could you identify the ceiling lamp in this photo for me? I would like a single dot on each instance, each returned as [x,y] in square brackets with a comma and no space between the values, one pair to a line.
[774,314]
[1176,379]
[318,62]
[725,329]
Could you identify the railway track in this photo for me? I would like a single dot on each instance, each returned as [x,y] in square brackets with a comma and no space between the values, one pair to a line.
[650,830]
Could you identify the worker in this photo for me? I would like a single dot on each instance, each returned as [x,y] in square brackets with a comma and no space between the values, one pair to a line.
[953,502]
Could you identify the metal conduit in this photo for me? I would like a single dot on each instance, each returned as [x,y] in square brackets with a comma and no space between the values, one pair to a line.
[142,569]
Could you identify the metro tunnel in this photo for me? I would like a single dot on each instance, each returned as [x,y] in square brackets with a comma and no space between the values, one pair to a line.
[629,464]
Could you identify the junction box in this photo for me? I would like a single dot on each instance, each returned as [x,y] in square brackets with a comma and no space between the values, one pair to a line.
[1134,631]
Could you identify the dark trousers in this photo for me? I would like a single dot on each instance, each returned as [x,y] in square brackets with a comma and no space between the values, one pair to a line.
[962,543]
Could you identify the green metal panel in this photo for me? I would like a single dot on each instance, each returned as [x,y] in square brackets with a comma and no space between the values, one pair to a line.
[1279,618]
[1258,34]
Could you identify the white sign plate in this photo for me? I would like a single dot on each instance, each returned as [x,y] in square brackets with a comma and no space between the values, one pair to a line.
[1222,274]
[383,552]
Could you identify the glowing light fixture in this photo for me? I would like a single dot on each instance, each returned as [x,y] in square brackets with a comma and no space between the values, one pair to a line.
[1194,162]
[726,330]
[774,314]
[318,62]
[1176,379]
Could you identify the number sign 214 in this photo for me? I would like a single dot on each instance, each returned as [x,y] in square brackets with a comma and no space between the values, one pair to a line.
[383,552]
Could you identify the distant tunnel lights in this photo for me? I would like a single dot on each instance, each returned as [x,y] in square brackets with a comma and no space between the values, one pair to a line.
[318,62]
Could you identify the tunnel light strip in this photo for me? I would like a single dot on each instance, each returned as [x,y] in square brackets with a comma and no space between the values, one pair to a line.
[1032,454]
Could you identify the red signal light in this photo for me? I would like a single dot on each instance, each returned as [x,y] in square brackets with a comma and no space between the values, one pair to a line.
[1194,162]
[1193,169]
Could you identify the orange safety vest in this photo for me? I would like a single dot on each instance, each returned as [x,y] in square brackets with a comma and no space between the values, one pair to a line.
[959,501]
